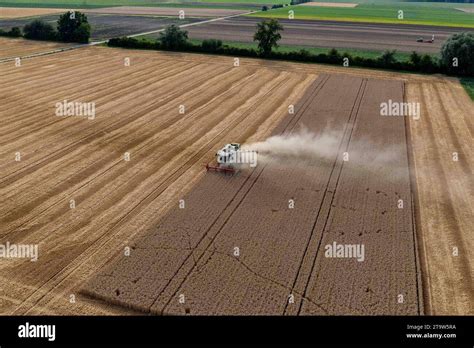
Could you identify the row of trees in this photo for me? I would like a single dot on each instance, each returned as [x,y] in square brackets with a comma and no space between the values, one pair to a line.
[71,27]
[457,54]
[13,32]
[417,63]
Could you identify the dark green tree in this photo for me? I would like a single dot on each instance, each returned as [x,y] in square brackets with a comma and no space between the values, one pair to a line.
[415,59]
[39,30]
[457,54]
[387,58]
[15,32]
[334,56]
[267,36]
[173,37]
[211,45]
[74,27]
[428,64]
[82,33]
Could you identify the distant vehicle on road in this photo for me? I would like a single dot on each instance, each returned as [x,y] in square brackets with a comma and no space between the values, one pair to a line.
[420,39]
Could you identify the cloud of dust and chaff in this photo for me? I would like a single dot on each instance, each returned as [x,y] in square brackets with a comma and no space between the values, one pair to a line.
[298,145]
[324,146]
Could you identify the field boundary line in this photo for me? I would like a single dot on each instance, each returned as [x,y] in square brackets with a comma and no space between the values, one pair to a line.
[40,54]
[423,304]
[427,289]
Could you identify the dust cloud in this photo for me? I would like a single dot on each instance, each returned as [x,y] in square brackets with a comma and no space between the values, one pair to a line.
[324,146]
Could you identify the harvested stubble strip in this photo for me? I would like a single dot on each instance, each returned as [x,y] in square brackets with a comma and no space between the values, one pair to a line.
[137,116]
[75,129]
[103,156]
[366,211]
[444,195]
[131,179]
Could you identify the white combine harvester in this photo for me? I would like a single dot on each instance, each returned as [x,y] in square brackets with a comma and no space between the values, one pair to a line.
[226,159]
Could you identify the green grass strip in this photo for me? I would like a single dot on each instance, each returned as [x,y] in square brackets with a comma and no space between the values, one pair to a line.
[383,13]
[400,56]
[468,84]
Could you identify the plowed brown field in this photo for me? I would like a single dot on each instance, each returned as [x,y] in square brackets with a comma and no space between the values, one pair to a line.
[166,11]
[191,251]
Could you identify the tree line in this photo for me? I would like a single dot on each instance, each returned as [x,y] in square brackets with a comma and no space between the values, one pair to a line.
[456,56]
[71,26]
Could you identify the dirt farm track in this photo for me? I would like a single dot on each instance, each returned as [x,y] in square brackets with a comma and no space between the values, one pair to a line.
[128,221]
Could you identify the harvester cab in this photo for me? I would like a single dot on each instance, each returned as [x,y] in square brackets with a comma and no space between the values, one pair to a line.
[228,154]
[226,159]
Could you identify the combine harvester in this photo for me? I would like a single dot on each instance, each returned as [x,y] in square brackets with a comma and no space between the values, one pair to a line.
[226,159]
